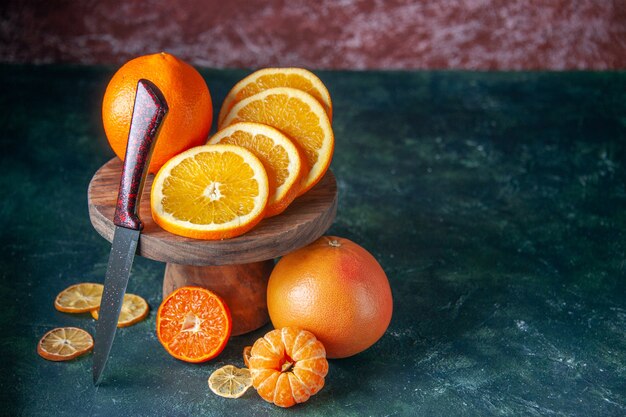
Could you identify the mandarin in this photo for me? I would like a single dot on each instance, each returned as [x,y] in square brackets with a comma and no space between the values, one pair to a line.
[188,121]
[335,289]
[288,366]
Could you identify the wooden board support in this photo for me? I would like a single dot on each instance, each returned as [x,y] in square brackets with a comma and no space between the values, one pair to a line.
[237,269]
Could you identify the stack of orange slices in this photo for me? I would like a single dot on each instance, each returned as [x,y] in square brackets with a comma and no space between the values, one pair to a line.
[274,143]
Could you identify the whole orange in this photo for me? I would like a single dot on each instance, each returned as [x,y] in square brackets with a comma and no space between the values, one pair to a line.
[335,289]
[190,114]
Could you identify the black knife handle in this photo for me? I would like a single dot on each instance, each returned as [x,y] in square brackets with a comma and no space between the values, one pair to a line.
[149,110]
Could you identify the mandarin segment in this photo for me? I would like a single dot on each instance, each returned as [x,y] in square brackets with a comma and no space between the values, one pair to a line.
[279,377]
[279,156]
[283,395]
[246,355]
[265,383]
[258,81]
[193,324]
[299,116]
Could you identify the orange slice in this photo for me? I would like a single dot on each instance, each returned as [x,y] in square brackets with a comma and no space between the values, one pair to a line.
[277,153]
[230,382]
[298,115]
[210,192]
[64,343]
[134,309]
[260,80]
[193,324]
[79,298]
[246,355]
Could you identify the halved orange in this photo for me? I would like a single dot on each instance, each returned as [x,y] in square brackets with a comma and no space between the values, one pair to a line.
[263,79]
[298,115]
[193,324]
[230,382]
[79,298]
[210,192]
[64,343]
[134,309]
[280,157]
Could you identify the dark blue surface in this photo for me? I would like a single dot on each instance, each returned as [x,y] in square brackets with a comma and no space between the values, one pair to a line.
[495,202]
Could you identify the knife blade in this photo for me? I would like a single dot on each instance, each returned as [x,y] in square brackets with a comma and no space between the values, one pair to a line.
[149,111]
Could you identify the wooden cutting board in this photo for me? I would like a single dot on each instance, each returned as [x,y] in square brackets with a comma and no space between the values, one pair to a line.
[306,219]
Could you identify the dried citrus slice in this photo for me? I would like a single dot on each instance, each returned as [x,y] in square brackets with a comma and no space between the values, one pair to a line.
[193,324]
[298,115]
[246,355]
[210,192]
[134,309]
[277,153]
[79,298]
[230,382]
[64,343]
[263,79]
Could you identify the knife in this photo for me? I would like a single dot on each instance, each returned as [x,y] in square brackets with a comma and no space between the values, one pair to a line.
[148,113]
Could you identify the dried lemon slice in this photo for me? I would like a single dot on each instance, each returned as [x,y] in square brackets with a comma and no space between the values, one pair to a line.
[134,309]
[79,298]
[64,343]
[230,382]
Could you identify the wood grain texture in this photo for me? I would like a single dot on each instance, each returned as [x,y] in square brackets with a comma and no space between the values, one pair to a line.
[243,288]
[306,219]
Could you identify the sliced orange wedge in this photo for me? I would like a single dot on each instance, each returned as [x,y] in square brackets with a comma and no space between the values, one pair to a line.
[263,79]
[134,309]
[279,156]
[299,116]
[210,192]
[79,298]
[64,343]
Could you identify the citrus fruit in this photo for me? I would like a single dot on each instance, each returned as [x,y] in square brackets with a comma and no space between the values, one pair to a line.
[246,355]
[299,116]
[64,343]
[210,192]
[279,156]
[288,366]
[263,79]
[188,120]
[230,382]
[335,289]
[193,324]
[79,298]
[134,309]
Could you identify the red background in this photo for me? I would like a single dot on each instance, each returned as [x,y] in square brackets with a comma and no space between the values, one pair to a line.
[341,34]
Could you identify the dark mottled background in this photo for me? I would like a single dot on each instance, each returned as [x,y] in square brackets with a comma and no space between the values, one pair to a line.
[393,34]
